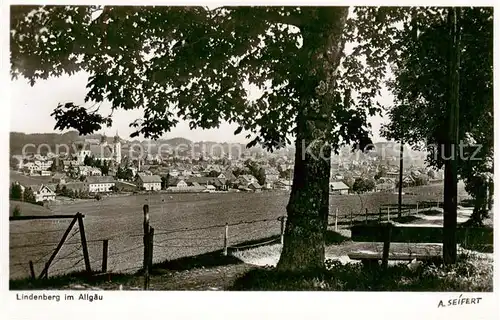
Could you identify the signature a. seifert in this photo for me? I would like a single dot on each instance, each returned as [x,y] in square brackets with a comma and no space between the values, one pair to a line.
[458,302]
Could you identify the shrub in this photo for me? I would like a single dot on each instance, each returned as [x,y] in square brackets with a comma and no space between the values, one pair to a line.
[16,212]
[469,274]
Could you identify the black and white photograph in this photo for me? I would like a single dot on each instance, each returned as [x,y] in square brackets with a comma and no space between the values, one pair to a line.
[160,148]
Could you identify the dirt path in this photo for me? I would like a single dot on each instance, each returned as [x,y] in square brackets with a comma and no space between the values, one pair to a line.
[202,279]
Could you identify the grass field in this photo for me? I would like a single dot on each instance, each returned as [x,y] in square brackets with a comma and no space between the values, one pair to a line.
[120,219]
[28,209]
[28,180]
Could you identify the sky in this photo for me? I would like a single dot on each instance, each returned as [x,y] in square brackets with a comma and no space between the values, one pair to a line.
[32,106]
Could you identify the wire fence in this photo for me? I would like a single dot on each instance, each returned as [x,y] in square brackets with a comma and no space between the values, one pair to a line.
[125,253]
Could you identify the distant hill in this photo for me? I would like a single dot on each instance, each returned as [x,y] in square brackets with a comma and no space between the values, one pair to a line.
[18,140]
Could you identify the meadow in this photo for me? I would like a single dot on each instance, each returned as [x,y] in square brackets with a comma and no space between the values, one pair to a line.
[183,226]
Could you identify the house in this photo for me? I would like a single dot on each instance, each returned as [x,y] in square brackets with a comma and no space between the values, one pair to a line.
[45,173]
[59,178]
[187,173]
[149,182]
[408,180]
[177,183]
[43,165]
[229,176]
[385,184]
[338,187]
[99,183]
[255,187]
[70,163]
[89,171]
[221,176]
[282,185]
[219,184]
[31,167]
[43,193]
[272,174]
[392,174]
[246,179]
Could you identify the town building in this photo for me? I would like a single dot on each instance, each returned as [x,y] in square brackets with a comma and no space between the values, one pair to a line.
[59,178]
[102,151]
[272,174]
[97,184]
[43,193]
[149,182]
[338,187]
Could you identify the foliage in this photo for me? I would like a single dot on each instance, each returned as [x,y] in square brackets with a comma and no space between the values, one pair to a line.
[255,170]
[213,174]
[17,211]
[165,181]
[362,185]
[54,166]
[240,171]
[468,275]
[124,173]
[67,192]
[28,195]
[380,173]
[431,174]
[16,191]
[421,85]
[349,181]
[197,64]
[88,161]
[148,62]
[285,174]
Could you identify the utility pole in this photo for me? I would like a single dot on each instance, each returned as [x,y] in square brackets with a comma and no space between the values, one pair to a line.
[450,179]
[400,193]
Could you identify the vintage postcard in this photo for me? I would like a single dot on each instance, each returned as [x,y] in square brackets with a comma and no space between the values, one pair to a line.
[164,147]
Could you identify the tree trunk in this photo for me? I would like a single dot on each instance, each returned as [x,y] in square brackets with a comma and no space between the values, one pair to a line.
[450,179]
[480,195]
[308,207]
[307,210]
[490,194]
[400,193]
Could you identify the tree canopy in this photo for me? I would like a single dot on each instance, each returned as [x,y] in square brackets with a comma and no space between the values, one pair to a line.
[197,64]
[313,73]
[420,86]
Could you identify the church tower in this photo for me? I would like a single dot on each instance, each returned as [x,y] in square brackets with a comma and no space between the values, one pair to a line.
[104,140]
[117,148]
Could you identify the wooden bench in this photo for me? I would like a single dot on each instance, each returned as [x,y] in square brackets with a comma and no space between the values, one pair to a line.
[387,233]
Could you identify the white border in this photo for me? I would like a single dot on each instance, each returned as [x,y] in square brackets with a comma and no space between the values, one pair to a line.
[188,305]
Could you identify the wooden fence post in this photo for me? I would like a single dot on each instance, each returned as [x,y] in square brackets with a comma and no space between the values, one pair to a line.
[379,214]
[388,214]
[84,243]
[32,270]
[387,244]
[104,266]
[351,217]
[417,207]
[145,209]
[282,232]
[226,233]
[151,243]
[366,215]
[61,242]
[336,215]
